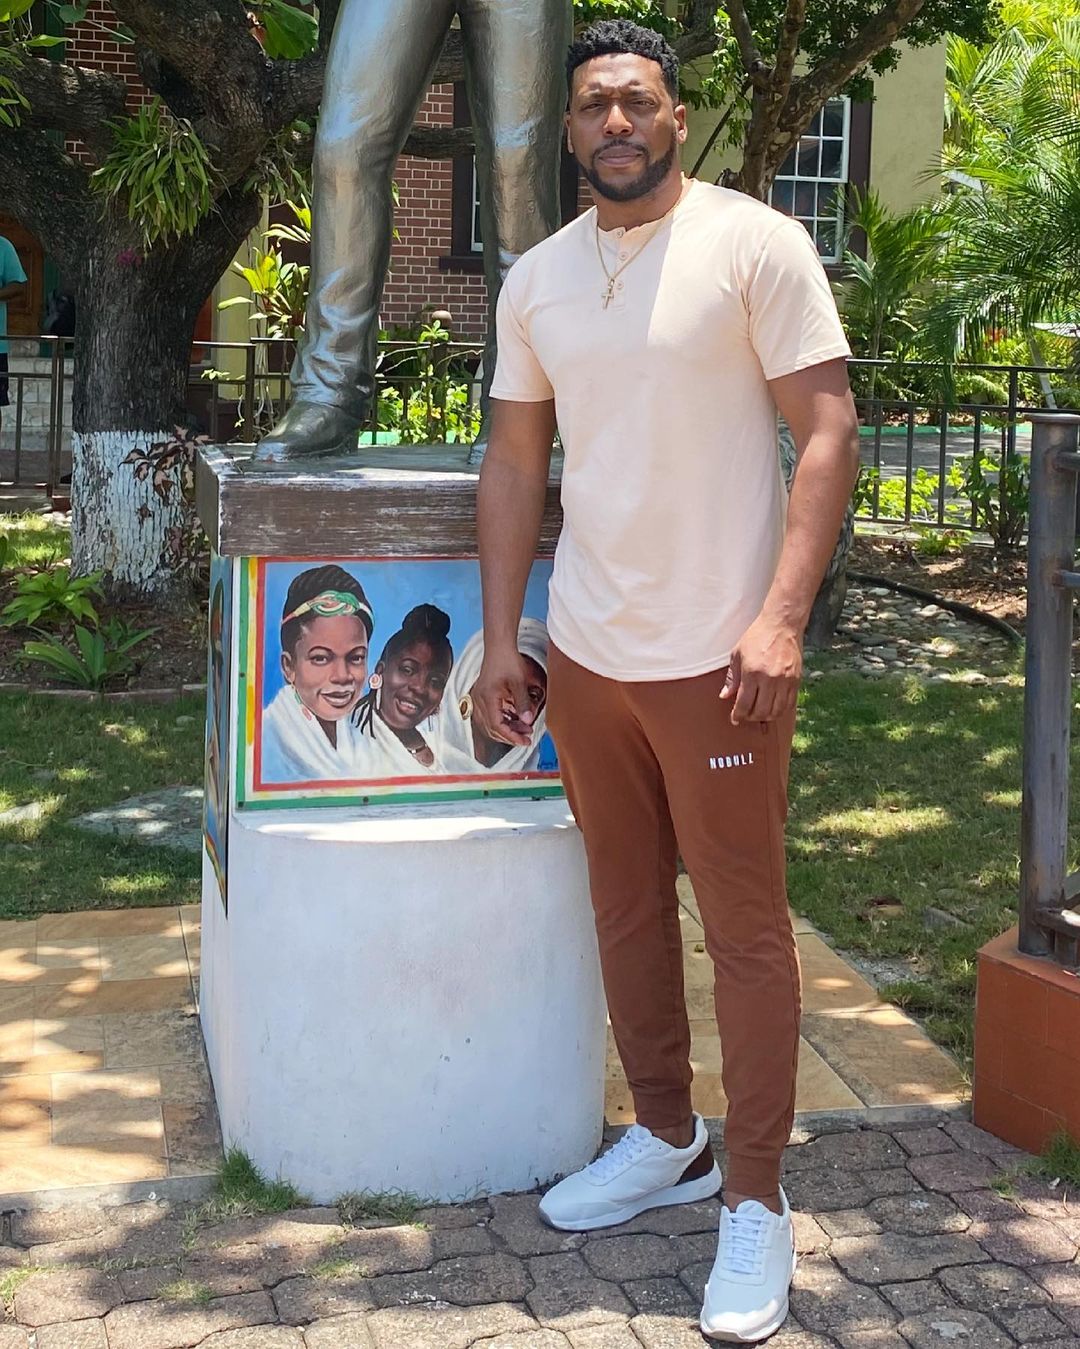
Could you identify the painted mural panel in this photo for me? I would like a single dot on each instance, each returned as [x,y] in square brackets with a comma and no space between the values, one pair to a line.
[356,684]
[218,687]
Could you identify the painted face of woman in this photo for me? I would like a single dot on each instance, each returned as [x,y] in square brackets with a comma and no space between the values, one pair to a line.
[413,683]
[328,665]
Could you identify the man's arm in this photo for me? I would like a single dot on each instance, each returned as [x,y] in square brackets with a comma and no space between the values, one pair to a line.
[509,513]
[766,665]
[12,291]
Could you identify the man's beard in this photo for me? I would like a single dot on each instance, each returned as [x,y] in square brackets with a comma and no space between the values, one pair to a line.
[648,181]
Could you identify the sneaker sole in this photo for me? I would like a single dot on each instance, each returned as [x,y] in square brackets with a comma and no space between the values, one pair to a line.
[730,1337]
[689,1192]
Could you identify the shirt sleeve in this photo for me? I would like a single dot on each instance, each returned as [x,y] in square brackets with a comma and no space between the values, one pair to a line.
[793,319]
[11,269]
[519,376]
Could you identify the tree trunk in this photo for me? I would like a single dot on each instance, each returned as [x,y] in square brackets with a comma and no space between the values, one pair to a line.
[136,321]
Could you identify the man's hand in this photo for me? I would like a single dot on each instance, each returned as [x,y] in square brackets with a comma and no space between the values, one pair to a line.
[500,697]
[765,671]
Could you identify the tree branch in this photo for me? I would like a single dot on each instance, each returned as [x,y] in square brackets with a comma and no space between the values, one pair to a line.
[788,48]
[48,193]
[810,91]
[744,36]
[71,99]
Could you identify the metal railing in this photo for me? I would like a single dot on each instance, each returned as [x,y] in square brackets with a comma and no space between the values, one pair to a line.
[1049,895]
[424,390]
[917,440]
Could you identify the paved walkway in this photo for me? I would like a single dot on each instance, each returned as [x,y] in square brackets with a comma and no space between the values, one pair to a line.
[103,1078]
[904,1244]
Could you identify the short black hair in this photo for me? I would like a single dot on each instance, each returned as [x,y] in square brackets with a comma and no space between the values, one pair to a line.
[615,37]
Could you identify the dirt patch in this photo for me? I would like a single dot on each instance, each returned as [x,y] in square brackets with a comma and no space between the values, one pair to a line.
[976,576]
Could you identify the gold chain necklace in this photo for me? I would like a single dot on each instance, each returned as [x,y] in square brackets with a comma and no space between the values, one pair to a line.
[612,277]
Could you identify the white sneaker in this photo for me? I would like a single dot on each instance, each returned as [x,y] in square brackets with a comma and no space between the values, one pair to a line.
[746,1298]
[640,1172]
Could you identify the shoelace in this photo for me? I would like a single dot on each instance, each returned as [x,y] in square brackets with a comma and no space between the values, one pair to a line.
[743,1247]
[633,1144]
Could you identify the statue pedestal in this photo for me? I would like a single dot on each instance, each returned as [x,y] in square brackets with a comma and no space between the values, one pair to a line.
[400,986]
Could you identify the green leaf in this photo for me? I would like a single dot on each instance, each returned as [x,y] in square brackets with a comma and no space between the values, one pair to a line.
[72,13]
[290,33]
[14,9]
[45,41]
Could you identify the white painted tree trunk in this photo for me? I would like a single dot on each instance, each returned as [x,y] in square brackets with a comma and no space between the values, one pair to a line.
[118,525]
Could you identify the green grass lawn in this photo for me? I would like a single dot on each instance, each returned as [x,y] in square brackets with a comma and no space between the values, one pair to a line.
[75,756]
[33,540]
[906,797]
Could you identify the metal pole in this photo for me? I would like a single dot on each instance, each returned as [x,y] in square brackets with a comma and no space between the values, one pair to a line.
[249,394]
[1048,684]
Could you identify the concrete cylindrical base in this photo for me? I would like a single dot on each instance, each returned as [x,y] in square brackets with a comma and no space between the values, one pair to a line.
[406,998]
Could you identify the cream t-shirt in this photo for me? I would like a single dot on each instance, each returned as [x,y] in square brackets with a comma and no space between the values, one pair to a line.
[672,493]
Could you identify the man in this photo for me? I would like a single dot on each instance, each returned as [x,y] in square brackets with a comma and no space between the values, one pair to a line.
[667,328]
[379,68]
[12,282]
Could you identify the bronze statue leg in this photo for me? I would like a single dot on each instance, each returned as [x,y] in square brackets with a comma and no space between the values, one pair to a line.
[515,53]
[378,71]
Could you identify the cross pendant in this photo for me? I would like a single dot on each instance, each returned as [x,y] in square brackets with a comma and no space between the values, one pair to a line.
[609,294]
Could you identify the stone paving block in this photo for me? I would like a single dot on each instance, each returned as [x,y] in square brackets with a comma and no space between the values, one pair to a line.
[603,1337]
[162,1325]
[640,1257]
[527,1339]
[468,1281]
[138,1284]
[879,1184]
[992,1287]
[850,1222]
[1060,1344]
[72,1335]
[37,1228]
[892,1257]
[953,1330]
[677,1220]
[1025,1241]
[453,1241]
[126,1243]
[1070,1314]
[66,1295]
[865,1150]
[824,1300]
[567,1304]
[446,1216]
[256,1337]
[667,1332]
[694,1247]
[796,1338]
[1062,1282]
[924,1142]
[339,1332]
[871,1339]
[237,1269]
[14,1337]
[919,1214]
[694,1278]
[917,1295]
[305,1298]
[810,1237]
[972,1139]
[953,1174]
[445,1327]
[661,1297]
[569,1265]
[1031,1325]
[386,1250]
[988,1206]
[517,1223]
[821,1191]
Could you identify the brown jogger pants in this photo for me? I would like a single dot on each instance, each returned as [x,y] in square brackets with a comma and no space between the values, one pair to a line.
[653,770]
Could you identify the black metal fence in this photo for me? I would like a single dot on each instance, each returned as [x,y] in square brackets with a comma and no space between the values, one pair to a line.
[919,441]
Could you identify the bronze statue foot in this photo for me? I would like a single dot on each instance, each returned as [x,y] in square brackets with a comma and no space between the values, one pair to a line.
[308,431]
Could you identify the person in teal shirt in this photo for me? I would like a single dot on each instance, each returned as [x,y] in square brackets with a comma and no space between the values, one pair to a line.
[12,280]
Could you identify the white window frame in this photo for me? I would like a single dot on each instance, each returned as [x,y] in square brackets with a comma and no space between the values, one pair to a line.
[840,184]
[476,244]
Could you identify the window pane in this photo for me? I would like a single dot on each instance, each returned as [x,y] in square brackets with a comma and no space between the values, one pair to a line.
[808,157]
[814,129]
[834,117]
[783,196]
[826,238]
[832,159]
[787,168]
[805,200]
[830,201]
